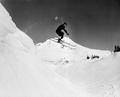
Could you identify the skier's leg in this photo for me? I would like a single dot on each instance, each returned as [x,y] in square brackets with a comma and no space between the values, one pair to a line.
[59,39]
[59,34]
[62,35]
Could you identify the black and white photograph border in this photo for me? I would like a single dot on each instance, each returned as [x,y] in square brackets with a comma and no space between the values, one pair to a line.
[59,48]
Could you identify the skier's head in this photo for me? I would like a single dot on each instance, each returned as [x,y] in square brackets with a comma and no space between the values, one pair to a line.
[65,23]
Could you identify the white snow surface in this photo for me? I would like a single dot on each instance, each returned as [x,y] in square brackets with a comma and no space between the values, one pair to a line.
[49,70]
[55,52]
[22,74]
[99,77]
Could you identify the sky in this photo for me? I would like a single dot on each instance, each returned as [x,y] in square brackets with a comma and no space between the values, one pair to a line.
[91,23]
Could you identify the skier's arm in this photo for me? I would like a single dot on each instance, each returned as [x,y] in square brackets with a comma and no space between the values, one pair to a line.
[66,32]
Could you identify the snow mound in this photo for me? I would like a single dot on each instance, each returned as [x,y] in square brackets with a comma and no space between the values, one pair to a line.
[98,75]
[71,52]
[100,78]
[22,73]
[25,68]
[9,32]
[95,71]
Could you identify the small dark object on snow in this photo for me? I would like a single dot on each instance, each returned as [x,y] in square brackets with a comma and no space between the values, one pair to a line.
[95,56]
[117,48]
[88,57]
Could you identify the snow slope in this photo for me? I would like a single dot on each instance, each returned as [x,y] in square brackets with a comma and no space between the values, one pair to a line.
[22,73]
[25,69]
[100,77]
[51,51]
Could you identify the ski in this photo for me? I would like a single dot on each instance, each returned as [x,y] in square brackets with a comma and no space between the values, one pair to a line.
[62,41]
[64,44]
[68,43]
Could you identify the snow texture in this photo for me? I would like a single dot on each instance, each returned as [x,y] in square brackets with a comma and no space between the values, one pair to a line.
[22,74]
[98,76]
[50,70]
[95,71]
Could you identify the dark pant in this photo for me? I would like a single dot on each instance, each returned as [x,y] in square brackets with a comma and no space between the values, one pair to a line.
[60,33]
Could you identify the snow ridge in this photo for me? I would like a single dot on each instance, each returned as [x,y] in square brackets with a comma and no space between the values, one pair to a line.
[22,73]
[53,48]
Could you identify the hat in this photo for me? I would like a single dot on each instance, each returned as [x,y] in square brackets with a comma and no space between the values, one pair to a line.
[65,23]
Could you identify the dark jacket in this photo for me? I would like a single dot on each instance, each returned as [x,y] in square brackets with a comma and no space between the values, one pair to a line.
[60,28]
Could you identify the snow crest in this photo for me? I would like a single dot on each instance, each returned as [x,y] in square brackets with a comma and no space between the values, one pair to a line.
[71,51]
[22,74]
[95,71]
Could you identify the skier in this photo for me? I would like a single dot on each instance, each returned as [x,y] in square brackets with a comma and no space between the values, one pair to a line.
[61,30]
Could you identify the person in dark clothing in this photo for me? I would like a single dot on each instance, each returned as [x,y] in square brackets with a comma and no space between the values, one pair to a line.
[61,30]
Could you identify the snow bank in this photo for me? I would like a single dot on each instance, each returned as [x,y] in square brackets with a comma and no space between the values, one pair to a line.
[24,71]
[51,51]
[22,74]
[99,77]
